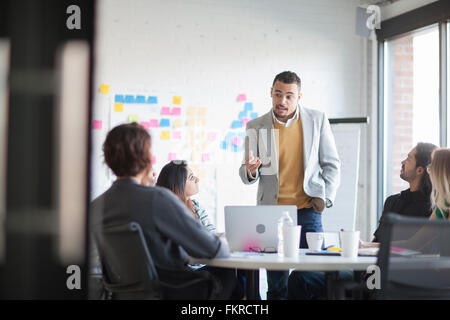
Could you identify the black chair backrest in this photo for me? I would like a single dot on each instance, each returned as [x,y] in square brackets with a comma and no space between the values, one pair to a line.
[128,268]
[417,267]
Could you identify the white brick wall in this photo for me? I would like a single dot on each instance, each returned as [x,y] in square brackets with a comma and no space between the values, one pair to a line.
[212,50]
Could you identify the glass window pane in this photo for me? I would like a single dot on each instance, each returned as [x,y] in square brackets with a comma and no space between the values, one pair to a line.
[411,99]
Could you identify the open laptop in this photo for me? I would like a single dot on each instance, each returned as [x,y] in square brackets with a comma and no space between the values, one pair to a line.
[254,228]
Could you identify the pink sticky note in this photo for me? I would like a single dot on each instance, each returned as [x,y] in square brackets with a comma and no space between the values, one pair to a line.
[237,141]
[176,111]
[244,121]
[165,111]
[145,124]
[242,97]
[176,135]
[205,157]
[212,136]
[153,159]
[172,156]
[97,124]
[154,123]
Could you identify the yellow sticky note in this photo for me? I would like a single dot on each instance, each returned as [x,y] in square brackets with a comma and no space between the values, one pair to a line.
[190,111]
[176,100]
[118,107]
[190,122]
[177,123]
[201,122]
[196,157]
[201,111]
[104,88]
[133,118]
[165,135]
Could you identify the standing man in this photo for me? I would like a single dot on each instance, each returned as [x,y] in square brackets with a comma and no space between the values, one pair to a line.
[291,151]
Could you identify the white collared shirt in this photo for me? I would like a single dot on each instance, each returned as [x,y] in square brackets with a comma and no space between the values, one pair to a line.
[289,121]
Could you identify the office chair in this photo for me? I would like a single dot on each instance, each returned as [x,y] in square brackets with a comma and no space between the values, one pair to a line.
[130,273]
[418,267]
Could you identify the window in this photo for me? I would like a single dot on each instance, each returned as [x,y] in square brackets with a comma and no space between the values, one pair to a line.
[411,99]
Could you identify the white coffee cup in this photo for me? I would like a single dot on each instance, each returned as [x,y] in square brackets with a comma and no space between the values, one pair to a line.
[291,240]
[349,244]
[315,240]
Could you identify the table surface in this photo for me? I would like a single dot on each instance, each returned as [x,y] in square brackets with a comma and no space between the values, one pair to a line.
[303,262]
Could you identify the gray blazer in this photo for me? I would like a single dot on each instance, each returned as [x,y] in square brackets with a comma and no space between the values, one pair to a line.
[321,160]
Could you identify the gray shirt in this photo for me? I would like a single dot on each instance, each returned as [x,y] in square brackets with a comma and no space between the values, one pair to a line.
[169,227]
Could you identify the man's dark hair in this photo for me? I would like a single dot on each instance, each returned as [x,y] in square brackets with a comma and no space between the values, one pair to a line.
[126,150]
[288,77]
[423,159]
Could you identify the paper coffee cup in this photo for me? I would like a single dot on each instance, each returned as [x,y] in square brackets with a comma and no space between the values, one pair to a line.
[349,244]
[291,240]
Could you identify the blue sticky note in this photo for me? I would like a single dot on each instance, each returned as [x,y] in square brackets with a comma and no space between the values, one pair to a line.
[242,115]
[118,98]
[129,99]
[164,123]
[254,115]
[140,99]
[229,137]
[236,124]
[248,106]
[223,145]
[242,135]
[152,99]
[235,148]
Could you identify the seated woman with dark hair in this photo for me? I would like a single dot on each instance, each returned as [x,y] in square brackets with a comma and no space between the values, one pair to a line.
[179,178]
[170,232]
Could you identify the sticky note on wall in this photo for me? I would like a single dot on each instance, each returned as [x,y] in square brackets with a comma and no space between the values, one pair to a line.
[176,111]
[236,124]
[119,98]
[140,99]
[104,88]
[97,124]
[190,122]
[145,124]
[176,100]
[164,123]
[154,123]
[172,156]
[248,106]
[241,97]
[118,107]
[190,111]
[152,99]
[177,123]
[244,121]
[201,111]
[165,135]
[205,157]
[133,118]
[212,136]
[165,111]
[129,99]
[176,135]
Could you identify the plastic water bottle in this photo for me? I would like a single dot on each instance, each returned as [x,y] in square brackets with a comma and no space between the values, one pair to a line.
[285,220]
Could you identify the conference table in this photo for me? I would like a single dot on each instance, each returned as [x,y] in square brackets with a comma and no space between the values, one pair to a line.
[253,261]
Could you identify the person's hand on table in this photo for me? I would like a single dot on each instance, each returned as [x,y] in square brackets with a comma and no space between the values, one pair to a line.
[364,244]
[318,204]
